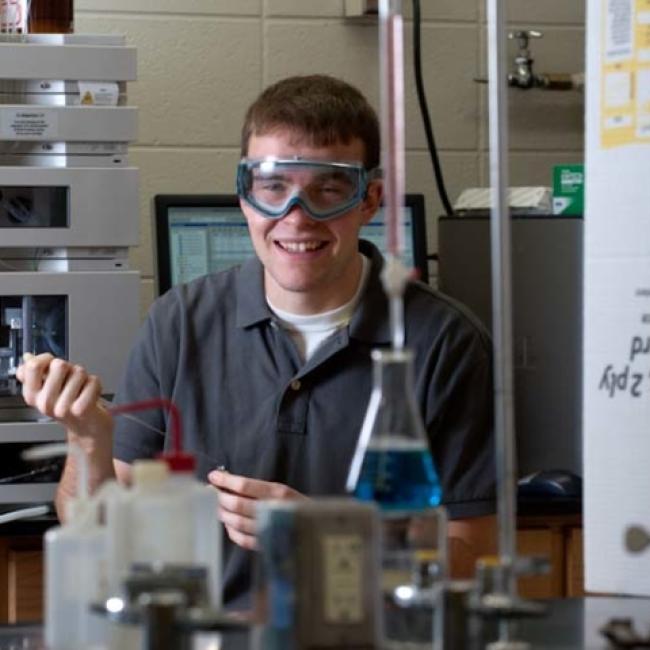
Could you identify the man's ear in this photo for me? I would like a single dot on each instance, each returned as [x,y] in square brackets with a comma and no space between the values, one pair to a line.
[372,200]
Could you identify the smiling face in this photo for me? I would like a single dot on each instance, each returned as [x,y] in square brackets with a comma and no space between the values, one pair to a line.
[309,266]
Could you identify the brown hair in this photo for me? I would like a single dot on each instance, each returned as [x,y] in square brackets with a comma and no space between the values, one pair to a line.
[323,109]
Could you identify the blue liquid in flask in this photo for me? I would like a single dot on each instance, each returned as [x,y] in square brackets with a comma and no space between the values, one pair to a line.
[399,477]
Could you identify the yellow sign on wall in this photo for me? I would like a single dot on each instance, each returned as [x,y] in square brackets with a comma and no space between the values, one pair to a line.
[625,91]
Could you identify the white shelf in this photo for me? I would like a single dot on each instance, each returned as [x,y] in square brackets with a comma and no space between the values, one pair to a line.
[27,493]
[31,432]
[85,58]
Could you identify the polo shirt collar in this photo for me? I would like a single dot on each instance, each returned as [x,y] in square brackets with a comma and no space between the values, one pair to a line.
[370,322]
[251,299]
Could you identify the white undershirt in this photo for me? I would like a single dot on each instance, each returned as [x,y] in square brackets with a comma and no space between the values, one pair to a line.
[308,332]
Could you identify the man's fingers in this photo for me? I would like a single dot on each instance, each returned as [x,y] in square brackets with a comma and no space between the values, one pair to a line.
[70,392]
[58,388]
[249,487]
[32,374]
[241,539]
[235,503]
[88,397]
[57,375]
[238,522]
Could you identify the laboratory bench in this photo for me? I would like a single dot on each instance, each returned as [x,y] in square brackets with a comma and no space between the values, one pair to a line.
[570,624]
[553,530]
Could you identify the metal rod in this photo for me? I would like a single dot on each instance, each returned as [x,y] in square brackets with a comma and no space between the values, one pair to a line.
[28,317]
[502,290]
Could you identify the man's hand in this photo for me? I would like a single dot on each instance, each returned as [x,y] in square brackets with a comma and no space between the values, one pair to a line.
[66,392]
[237,497]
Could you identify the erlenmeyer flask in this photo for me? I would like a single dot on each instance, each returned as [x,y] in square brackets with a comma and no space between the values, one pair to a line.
[392,464]
[393,467]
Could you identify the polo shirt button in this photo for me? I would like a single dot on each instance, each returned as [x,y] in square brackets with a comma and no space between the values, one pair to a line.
[296,384]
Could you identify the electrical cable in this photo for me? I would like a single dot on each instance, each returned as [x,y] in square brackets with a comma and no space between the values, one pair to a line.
[25,513]
[424,109]
[50,469]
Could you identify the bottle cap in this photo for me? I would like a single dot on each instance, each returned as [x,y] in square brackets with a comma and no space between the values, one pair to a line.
[178,462]
[149,473]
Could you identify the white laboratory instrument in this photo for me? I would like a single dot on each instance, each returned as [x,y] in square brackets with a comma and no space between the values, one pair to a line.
[68,215]
[63,100]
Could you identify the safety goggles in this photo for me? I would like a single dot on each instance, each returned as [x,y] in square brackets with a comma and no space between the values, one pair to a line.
[324,190]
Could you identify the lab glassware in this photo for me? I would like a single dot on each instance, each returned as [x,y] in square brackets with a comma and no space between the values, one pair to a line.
[37,16]
[393,467]
[50,16]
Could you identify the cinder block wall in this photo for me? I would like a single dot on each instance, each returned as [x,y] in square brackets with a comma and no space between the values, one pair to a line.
[201,62]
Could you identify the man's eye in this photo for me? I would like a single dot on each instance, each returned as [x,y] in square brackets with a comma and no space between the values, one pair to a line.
[271,186]
[332,190]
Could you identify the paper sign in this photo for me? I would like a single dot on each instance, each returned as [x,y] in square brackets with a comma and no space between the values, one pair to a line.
[624,62]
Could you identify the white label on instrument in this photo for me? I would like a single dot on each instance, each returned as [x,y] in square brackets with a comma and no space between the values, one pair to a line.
[342,577]
[95,93]
[28,124]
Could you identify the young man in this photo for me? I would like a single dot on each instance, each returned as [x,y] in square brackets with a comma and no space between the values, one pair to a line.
[269,362]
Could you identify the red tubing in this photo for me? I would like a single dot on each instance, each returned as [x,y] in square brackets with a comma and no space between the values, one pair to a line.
[157,403]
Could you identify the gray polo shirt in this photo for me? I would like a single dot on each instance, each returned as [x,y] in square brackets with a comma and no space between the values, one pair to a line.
[249,403]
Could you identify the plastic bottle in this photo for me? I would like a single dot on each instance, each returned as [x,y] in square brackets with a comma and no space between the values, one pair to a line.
[168,517]
[75,575]
[115,499]
[199,504]
[174,517]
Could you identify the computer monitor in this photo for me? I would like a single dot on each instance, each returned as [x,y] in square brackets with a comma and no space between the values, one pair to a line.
[199,234]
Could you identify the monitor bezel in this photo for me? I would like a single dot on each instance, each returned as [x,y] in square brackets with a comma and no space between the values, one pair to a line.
[163,202]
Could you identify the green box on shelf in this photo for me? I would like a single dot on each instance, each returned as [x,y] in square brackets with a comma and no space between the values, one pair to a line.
[568,189]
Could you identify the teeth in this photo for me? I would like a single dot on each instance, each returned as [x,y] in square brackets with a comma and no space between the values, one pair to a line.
[300,246]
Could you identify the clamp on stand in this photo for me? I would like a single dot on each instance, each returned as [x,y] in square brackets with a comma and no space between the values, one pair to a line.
[492,600]
[170,603]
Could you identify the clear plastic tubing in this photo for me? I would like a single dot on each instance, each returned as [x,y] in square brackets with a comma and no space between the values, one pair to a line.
[392,124]
[54,449]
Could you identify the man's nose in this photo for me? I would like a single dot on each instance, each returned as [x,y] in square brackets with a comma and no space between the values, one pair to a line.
[298,215]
